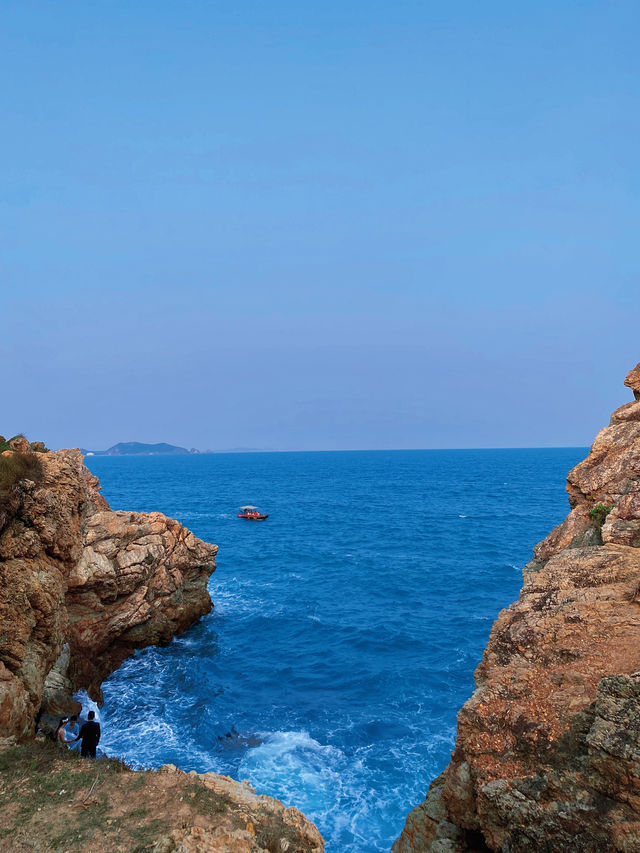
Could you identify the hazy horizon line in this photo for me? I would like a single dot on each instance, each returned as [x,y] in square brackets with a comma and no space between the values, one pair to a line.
[229,451]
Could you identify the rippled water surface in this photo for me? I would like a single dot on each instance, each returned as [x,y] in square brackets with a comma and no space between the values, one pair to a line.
[346,627]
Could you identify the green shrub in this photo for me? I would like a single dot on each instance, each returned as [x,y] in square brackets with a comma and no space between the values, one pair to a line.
[38,447]
[599,512]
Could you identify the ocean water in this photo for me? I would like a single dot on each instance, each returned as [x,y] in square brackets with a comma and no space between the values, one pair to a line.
[346,627]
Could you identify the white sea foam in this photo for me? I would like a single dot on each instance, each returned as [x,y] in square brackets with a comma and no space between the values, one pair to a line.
[87,703]
[296,768]
[146,740]
[328,785]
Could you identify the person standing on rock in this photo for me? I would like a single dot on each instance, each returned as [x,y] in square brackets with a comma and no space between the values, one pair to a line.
[90,736]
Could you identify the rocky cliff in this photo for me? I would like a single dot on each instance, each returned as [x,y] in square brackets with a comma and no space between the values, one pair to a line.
[82,586]
[547,756]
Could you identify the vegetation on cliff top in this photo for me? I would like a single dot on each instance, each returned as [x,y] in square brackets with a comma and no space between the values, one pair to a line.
[21,444]
[54,800]
[21,463]
[17,467]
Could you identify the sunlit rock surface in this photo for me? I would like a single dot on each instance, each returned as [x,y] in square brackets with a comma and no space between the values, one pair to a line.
[82,586]
[547,756]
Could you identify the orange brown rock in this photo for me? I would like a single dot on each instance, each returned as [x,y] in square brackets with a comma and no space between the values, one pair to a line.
[547,756]
[633,381]
[82,586]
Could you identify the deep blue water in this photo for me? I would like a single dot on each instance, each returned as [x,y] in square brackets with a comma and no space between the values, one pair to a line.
[346,627]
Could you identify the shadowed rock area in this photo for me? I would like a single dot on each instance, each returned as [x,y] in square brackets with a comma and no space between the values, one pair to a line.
[547,756]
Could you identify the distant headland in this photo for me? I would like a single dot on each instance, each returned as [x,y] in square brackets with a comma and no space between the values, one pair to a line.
[136,448]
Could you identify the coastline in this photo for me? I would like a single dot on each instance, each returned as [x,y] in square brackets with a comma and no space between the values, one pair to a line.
[83,586]
[284,635]
[609,468]
[548,746]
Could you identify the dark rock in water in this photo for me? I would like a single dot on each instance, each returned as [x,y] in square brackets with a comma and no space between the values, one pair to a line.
[234,741]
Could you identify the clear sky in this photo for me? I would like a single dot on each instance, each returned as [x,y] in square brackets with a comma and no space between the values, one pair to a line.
[318,225]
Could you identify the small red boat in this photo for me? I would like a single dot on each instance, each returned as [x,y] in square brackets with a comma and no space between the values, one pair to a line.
[251,513]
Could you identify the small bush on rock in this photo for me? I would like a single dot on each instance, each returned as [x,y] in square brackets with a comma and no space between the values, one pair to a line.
[38,447]
[599,512]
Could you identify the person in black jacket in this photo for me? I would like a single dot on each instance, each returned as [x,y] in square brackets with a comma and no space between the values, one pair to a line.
[90,736]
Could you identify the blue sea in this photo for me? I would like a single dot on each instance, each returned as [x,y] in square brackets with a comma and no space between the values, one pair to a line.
[346,627]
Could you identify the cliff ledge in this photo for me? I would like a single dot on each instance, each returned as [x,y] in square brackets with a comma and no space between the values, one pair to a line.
[53,800]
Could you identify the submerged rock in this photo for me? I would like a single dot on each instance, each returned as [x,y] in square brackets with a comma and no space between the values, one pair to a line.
[234,741]
[547,756]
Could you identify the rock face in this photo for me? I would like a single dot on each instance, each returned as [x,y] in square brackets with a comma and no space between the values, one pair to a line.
[287,828]
[547,756]
[83,586]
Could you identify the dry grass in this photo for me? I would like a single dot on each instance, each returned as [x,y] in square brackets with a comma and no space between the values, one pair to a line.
[52,799]
[17,467]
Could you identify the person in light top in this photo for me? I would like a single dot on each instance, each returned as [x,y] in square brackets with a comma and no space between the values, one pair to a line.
[61,736]
[72,730]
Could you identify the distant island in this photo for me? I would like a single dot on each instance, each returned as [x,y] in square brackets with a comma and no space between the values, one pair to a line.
[136,448]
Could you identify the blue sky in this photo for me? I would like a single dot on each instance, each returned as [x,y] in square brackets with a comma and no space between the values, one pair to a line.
[318,226]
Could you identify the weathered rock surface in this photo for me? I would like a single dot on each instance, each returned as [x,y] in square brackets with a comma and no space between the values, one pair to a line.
[289,829]
[547,756]
[83,586]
